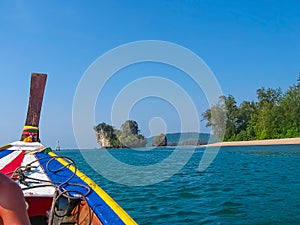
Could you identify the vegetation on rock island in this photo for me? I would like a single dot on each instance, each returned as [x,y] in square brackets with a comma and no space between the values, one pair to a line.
[127,137]
[274,115]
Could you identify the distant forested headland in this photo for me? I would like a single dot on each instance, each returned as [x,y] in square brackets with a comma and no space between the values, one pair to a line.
[275,115]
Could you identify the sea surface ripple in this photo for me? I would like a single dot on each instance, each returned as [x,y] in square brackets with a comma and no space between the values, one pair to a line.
[244,185]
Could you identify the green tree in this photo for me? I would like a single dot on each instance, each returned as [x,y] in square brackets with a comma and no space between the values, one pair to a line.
[232,117]
[269,96]
[265,122]
[274,115]
[246,111]
[216,118]
[130,127]
[290,108]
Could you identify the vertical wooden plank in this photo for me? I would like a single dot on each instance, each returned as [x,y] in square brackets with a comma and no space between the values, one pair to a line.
[37,87]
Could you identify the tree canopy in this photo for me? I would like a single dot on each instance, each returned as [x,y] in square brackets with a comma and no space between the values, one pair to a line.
[274,115]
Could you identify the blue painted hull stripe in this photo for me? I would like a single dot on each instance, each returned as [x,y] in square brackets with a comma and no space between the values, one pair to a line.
[97,204]
[5,152]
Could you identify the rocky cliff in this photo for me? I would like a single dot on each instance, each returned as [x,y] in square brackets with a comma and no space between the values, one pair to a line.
[102,140]
[128,137]
[160,140]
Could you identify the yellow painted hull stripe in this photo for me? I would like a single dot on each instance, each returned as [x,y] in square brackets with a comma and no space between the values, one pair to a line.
[5,147]
[109,201]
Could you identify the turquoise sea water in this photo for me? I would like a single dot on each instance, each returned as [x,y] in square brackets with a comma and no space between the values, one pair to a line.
[244,185]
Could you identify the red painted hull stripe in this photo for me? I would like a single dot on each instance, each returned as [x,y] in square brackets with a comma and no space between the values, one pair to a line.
[14,164]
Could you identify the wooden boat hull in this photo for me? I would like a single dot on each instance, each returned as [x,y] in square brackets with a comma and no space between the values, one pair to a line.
[55,190]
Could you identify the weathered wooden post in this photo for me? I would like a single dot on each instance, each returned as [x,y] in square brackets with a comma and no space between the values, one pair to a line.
[30,131]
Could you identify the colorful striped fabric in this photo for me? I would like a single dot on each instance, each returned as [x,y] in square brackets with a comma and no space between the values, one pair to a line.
[10,161]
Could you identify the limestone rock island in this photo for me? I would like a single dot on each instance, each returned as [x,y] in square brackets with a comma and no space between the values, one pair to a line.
[160,140]
[127,137]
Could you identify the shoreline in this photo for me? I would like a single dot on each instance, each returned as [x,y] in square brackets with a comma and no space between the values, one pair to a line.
[284,141]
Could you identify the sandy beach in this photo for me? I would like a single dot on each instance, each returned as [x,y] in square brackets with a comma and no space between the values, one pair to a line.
[285,141]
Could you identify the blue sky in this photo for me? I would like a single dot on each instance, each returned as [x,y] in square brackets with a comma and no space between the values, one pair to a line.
[247,44]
